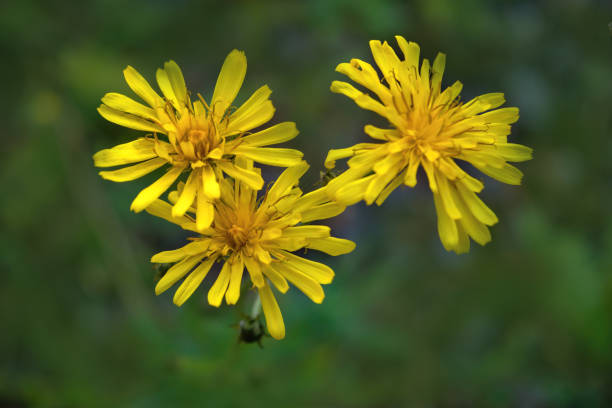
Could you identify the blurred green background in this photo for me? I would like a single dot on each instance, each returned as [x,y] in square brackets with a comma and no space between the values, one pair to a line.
[524,322]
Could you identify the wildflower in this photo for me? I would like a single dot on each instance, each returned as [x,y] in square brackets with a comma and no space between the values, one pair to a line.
[201,137]
[260,235]
[429,128]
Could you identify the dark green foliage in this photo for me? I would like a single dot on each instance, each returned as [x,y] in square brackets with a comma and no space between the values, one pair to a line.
[525,321]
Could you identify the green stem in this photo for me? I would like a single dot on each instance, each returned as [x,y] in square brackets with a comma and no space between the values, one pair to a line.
[256,307]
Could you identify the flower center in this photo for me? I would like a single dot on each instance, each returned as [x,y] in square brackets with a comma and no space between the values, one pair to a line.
[203,141]
[237,236]
[427,132]
[197,137]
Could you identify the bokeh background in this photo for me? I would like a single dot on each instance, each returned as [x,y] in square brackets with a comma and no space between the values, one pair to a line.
[524,322]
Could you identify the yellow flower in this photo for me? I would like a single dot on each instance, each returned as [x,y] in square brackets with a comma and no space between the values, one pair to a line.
[201,137]
[259,235]
[429,128]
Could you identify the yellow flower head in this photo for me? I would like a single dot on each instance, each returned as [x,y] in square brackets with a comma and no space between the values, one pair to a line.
[259,235]
[429,128]
[201,137]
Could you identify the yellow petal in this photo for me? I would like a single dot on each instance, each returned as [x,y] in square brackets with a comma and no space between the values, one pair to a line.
[164,149]
[437,72]
[311,199]
[290,244]
[410,50]
[128,120]
[474,228]
[270,156]
[236,269]
[199,110]
[256,111]
[449,169]
[132,152]
[483,157]
[307,231]
[271,234]
[431,175]
[166,87]
[424,80]
[336,154]
[245,163]
[318,271]
[175,255]
[163,210]
[248,177]
[503,115]
[228,191]
[285,182]
[447,227]
[448,196]
[276,278]
[395,183]
[141,87]
[285,221]
[362,100]
[192,282]
[332,245]
[245,196]
[177,272]
[507,174]
[262,255]
[209,183]
[273,135]
[229,81]
[175,76]
[463,245]
[471,183]
[187,196]
[306,284]
[514,152]
[216,292]
[124,104]
[205,211]
[479,209]
[385,57]
[133,172]
[483,103]
[368,157]
[352,174]
[285,204]
[151,193]
[381,134]
[450,93]
[274,318]
[499,131]
[254,269]
[377,185]
[364,74]
[354,191]
[322,212]
[188,150]
[492,100]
